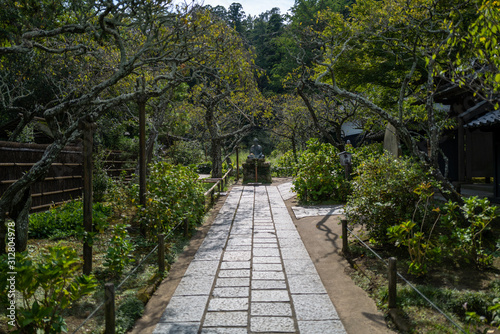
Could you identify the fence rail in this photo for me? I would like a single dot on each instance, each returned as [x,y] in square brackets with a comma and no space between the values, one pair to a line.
[219,184]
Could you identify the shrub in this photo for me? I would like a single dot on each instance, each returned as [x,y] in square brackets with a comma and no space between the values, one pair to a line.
[101,181]
[66,220]
[174,194]
[319,174]
[185,153]
[418,236]
[467,224]
[449,300]
[119,250]
[364,153]
[383,194]
[285,165]
[204,168]
[128,312]
[47,287]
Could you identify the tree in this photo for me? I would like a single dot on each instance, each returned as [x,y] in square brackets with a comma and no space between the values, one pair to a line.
[476,64]
[110,45]
[291,121]
[264,37]
[225,91]
[235,16]
[330,113]
[416,39]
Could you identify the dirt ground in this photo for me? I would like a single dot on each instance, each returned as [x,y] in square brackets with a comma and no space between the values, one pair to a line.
[321,236]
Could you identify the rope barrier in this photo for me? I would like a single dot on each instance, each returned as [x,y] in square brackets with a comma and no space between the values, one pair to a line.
[124,280]
[409,284]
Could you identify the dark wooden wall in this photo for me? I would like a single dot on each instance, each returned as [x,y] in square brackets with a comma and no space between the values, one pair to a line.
[64,180]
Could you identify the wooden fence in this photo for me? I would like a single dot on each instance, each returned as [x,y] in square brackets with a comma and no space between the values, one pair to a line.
[118,162]
[64,180]
[62,183]
[220,183]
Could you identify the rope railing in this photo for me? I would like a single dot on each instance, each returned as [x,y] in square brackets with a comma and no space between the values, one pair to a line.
[405,280]
[125,279]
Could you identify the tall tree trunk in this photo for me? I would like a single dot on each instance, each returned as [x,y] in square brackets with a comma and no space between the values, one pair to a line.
[216,157]
[294,148]
[150,144]
[20,215]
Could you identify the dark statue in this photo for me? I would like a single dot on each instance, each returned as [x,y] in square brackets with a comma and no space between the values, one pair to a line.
[256,150]
[256,169]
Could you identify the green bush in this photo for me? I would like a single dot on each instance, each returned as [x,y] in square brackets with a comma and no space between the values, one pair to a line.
[101,181]
[204,168]
[47,286]
[128,312]
[119,249]
[285,165]
[418,236]
[319,174]
[364,153]
[383,194]
[449,300]
[185,153]
[66,220]
[174,194]
[466,225]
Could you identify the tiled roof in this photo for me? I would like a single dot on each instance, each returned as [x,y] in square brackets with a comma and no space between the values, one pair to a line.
[488,119]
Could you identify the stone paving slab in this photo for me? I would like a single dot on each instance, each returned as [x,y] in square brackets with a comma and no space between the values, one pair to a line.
[271,309]
[324,210]
[269,284]
[321,327]
[225,330]
[224,319]
[252,274]
[235,265]
[300,284]
[285,190]
[185,309]
[272,324]
[228,304]
[314,307]
[178,327]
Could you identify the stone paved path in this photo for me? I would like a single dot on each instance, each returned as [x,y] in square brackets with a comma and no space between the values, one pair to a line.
[252,274]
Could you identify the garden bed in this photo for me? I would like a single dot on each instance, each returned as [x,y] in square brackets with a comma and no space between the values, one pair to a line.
[120,254]
[462,291]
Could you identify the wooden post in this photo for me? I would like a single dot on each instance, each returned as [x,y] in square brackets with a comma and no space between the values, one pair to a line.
[142,158]
[256,178]
[345,244]
[392,282]
[237,163]
[87,194]
[109,308]
[161,252]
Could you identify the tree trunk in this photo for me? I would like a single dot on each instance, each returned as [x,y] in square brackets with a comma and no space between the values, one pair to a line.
[20,215]
[216,158]
[150,144]
[14,196]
